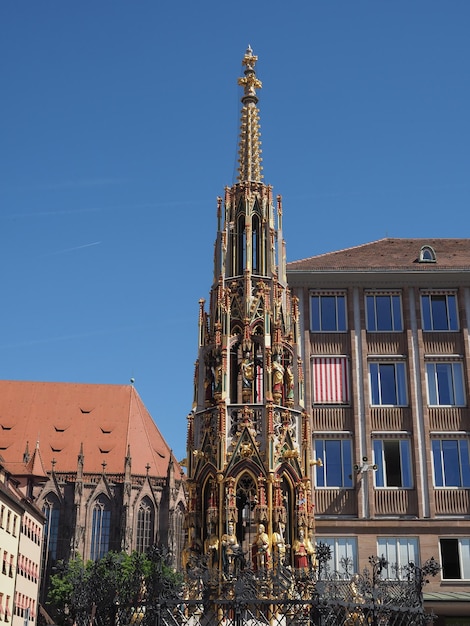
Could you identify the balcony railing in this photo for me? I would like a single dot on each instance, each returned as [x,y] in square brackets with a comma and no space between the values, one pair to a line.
[396,502]
[330,343]
[449,418]
[390,418]
[442,342]
[387,343]
[335,501]
[332,418]
[452,501]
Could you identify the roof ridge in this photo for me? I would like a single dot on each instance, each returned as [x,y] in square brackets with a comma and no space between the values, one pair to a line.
[135,395]
[360,245]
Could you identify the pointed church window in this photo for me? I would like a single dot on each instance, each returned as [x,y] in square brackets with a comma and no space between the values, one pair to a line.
[100,528]
[51,510]
[145,525]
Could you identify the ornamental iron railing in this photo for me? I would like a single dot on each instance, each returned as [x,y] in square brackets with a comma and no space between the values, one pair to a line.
[274,597]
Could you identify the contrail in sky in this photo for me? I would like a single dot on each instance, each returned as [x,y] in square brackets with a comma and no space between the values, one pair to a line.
[86,245]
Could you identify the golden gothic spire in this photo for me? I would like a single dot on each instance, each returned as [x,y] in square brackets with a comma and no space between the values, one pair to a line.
[249,150]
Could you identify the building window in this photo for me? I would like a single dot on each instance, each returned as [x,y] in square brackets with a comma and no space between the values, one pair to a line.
[330,380]
[439,311]
[455,558]
[393,460]
[336,457]
[427,255]
[445,384]
[100,529]
[343,559]
[328,313]
[451,463]
[387,384]
[399,552]
[179,534]
[145,526]
[384,312]
[51,527]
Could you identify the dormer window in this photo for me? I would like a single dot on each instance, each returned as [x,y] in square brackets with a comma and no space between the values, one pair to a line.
[427,255]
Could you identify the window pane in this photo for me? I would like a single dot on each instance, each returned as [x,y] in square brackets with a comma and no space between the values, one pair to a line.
[336,457]
[452,312]
[397,320]
[333,464]
[392,463]
[426,310]
[341,304]
[437,462]
[464,462]
[406,478]
[399,552]
[439,313]
[387,384]
[459,397]
[384,313]
[379,475]
[315,303]
[401,384]
[371,321]
[347,463]
[328,313]
[450,559]
[465,558]
[431,379]
[374,383]
[320,470]
[444,383]
[450,457]
[343,554]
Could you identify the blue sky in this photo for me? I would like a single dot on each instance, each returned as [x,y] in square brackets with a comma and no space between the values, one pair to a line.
[119,127]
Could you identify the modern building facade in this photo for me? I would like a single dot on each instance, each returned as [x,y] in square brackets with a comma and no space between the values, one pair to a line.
[109,479]
[385,338]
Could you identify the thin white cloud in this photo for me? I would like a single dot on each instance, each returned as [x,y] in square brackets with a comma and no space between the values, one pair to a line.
[85,245]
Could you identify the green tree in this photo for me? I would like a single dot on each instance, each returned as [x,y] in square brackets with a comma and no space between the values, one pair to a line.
[117,580]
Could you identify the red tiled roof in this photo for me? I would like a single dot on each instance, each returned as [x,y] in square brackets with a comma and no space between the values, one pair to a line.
[106,419]
[399,254]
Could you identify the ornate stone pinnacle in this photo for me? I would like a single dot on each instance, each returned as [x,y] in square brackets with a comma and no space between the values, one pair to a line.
[249,150]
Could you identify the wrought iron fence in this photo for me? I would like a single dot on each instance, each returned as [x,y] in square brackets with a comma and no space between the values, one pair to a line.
[281,597]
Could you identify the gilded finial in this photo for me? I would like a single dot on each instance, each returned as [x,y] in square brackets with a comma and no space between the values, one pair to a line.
[249,151]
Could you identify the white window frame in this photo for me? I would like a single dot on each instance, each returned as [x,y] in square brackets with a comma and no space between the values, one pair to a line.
[463,548]
[341,324]
[346,468]
[427,311]
[462,460]
[396,317]
[456,379]
[375,383]
[383,473]
[399,552]
[341,547]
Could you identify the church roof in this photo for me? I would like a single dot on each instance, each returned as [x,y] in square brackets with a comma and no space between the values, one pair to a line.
[391,254]
[108,420]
